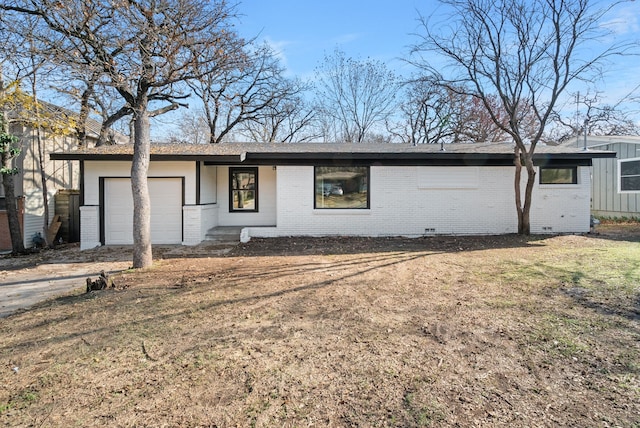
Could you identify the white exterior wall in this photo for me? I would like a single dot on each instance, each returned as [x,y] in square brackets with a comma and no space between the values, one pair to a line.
[208,219]
[208,210]
[197,220]
[417,201]
[562,208]
[96,169]
[90,227]
[404,201]
[266,215]
[208,184]
[90,212]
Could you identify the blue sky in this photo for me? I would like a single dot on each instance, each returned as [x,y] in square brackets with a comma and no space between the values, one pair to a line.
[303,31]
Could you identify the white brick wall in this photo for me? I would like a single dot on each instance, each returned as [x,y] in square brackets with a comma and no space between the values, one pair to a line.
[208,218]
[404,201]
[197,220]
[90,231]
[563,208]
[401,204]
[191,234]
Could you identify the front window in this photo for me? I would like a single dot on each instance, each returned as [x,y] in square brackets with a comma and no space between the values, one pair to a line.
[341,187]
[243,189]
[629,175]
[559,175]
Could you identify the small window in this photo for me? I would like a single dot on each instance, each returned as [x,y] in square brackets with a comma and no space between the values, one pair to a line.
[243,189]
[341,187]
[629,175]
[561,175]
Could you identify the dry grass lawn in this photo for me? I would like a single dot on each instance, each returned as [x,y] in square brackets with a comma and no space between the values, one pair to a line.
[443,331]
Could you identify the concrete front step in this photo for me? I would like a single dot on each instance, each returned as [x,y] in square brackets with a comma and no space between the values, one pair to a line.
[224,234]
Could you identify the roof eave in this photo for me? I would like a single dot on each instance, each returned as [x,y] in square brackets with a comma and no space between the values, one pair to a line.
[442,158]
[217,159]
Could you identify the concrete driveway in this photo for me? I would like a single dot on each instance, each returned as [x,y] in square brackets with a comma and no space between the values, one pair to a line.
[27,280]
[22,288]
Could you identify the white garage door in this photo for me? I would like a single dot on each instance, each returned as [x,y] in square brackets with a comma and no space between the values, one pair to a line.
[166,211]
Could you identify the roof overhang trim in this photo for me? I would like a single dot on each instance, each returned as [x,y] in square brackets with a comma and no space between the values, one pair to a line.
[349,158]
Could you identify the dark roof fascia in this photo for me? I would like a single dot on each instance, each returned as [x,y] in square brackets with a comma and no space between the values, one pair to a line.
[584,158]
[349,158]
[387,159]
[212,159]
[419,159]
[208,159]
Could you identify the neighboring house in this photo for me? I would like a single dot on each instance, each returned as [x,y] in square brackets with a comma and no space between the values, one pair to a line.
[616,182]
[28,183]
[329,189]
[61,174]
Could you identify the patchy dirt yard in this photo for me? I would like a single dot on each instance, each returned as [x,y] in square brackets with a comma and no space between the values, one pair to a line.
[442,331]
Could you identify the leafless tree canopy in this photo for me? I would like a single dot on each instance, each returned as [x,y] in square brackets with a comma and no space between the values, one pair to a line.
[354,96]
[287,120]
[251,94]
[599,118]
[436,114]
[522,52]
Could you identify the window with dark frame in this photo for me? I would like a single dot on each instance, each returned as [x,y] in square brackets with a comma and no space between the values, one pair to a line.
[341,187]
[559,175]
[243,189]
[630,175]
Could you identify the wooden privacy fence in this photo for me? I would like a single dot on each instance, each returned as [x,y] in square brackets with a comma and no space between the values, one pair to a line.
[67,207]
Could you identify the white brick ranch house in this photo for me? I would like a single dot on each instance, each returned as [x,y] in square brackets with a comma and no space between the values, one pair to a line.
[314,189]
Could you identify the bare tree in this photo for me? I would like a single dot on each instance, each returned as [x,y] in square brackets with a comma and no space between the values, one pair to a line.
[600,119]
[144,49]
[354,96]
[288,119]
[436,114]
[9,144]
[250,87]
[525,53]
[36,62]
[9,150]
[192,128]
[426,112]
[95,99]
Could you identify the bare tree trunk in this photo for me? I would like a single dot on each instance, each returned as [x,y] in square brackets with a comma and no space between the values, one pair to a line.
[15,231]
[8,183]
[528,194]
[40,157]
[81,127]
[107,122]
[518,191]
[45,188]
[142,252]
[524,208]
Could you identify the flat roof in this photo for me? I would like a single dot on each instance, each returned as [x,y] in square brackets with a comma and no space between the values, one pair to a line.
[337,153]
